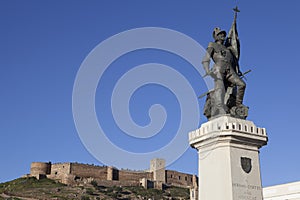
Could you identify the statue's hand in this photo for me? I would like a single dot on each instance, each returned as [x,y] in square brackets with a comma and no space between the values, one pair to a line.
[212,74]
[208,72]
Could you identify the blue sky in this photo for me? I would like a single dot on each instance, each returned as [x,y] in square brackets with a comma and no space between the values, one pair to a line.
[43,44]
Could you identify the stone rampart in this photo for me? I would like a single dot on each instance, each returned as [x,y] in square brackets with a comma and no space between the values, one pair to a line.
[127,175]
[86,171]
[179,179]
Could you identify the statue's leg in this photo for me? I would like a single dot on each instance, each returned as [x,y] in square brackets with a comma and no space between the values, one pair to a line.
[241,86]
[219,93]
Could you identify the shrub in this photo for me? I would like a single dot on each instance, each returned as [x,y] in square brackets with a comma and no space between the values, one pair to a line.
[89,191]
[94,183]
[85,198]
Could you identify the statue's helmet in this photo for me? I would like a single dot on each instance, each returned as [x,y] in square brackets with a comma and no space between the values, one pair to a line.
[217,31]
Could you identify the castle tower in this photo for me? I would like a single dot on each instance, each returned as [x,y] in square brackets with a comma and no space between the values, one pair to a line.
[157,166]
[112,174]
[40,169]
[228,155]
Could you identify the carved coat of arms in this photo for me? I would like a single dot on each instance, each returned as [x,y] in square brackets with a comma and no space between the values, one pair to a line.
[246,164]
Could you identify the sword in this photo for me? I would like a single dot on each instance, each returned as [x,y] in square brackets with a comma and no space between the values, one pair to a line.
[206,93]
[243,74]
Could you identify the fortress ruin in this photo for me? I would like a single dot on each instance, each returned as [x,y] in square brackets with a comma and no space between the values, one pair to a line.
[76,174]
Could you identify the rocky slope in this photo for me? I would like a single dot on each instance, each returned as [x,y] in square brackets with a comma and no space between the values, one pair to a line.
[46,189]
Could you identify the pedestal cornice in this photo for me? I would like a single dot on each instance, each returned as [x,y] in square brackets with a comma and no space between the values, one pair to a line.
[226,129]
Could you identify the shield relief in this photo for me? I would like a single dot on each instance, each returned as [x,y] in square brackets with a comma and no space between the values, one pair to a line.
[246,164]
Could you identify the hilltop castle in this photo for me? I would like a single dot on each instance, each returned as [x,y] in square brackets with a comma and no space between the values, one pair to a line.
[75,174]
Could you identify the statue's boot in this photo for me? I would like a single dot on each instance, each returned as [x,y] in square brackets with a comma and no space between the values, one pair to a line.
[240,95]
[241,87]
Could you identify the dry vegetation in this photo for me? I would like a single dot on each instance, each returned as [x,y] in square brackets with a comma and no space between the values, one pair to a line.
[31,189]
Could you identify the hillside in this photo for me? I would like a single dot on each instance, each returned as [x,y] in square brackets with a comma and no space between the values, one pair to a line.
[44,189]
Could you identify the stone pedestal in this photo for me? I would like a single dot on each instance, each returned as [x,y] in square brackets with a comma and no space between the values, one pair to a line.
[228,150]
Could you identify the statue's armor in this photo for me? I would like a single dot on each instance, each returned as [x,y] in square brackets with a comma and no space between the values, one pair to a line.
[221,54]
[225,72]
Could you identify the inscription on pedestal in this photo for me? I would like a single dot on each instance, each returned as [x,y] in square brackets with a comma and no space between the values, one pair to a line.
[247,192]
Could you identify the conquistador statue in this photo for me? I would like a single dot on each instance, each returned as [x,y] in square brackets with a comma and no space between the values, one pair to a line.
[228,94]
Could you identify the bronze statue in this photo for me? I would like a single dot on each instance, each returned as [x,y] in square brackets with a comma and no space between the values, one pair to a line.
[228,94]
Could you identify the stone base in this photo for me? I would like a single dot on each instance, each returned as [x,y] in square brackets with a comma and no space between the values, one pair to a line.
[228,150]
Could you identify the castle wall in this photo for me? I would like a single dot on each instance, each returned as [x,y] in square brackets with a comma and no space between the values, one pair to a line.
[179,179]
[125,175]
[85,171]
